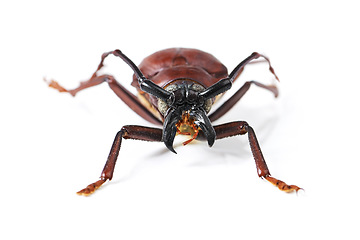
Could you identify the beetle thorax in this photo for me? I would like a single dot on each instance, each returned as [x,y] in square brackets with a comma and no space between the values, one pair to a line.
[185,97]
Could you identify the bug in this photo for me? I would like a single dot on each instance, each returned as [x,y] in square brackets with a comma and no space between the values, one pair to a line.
[176,89]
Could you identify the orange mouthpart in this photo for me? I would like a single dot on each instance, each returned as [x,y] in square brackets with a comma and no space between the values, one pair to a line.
[186,126]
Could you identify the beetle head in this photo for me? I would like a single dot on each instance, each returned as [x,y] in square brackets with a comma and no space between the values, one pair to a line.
[186,106]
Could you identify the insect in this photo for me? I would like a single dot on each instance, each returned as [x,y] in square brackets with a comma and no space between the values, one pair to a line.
[176,89]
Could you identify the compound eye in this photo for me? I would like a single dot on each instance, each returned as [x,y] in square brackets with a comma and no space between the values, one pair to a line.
[179,97]
[192,97]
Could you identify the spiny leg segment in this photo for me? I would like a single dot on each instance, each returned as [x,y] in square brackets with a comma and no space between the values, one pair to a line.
[126,132]
[240,128]
[125,95]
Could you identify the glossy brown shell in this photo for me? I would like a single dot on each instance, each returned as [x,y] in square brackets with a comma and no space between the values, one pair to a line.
[166,66]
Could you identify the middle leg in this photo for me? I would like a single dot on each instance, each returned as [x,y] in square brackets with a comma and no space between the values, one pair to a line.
[125,95]
[240,93]
[226,106]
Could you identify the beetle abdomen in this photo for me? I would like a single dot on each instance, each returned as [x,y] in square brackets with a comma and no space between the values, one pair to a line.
[165,66]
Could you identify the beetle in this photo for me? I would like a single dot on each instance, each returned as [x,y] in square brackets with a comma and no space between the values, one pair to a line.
[176,89]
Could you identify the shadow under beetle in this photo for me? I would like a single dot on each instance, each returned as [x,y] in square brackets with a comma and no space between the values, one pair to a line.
[177,88]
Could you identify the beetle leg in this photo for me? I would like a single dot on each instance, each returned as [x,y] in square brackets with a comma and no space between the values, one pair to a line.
[240,128]
[240,67]
[226,83]
[146,85]
[126,96]
[126,132]
[226,106]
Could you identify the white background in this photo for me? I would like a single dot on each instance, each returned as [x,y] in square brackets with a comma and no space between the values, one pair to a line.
[52,145]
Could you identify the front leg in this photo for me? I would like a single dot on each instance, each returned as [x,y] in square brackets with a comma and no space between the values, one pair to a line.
[240,128]
[126,132]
